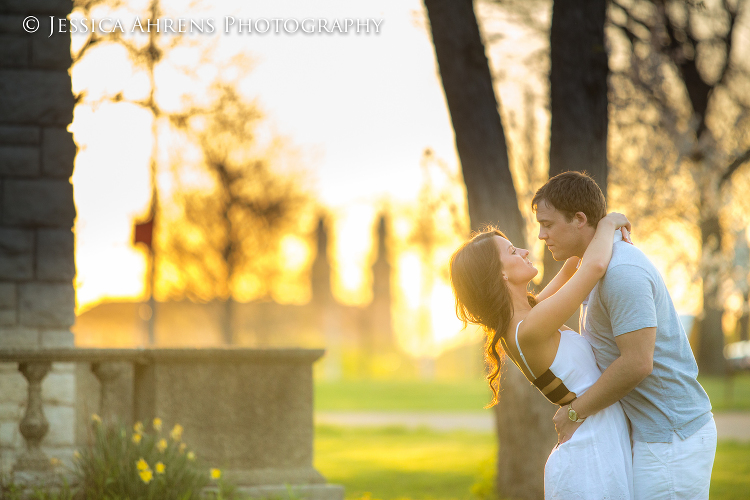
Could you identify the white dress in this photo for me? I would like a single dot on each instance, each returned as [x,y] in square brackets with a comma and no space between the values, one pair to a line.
[596,463]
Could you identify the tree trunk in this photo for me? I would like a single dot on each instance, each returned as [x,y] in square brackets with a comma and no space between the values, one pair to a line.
[711,340]
[578,96]
[480,139]
[524,418]
[699,91]
[227,321]
[743,325]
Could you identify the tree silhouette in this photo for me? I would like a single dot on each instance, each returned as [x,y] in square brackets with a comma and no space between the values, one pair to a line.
[683,108]
[208,237]
[523,417]
[578,97]
[145,55]
[229,227]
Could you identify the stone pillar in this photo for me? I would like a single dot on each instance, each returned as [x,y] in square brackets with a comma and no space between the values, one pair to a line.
[37,297]
[34,425]
[109,375]
[326,310]
[380,322]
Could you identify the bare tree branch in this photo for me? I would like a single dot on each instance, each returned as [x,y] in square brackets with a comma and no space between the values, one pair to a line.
[734,166]
[627,31]
[644,23]
[694,92]
[727,39]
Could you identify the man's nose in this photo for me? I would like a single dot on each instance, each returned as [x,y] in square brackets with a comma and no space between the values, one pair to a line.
[542,234]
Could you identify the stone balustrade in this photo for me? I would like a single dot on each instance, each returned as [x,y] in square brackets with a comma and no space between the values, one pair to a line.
[247,411]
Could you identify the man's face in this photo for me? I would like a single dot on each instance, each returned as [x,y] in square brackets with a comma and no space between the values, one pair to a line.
[562,238]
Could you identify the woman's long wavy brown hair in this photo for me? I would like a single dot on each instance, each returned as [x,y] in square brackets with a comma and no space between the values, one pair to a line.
[483,297]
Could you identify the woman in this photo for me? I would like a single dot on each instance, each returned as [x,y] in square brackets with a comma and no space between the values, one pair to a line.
[490,279]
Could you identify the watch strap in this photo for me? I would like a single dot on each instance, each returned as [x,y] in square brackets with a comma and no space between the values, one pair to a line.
[573,415]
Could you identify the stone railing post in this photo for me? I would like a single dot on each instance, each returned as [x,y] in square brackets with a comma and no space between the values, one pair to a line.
[108,375]
[34,425]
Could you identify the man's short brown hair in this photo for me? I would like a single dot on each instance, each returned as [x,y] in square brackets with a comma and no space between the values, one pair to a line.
[571,192]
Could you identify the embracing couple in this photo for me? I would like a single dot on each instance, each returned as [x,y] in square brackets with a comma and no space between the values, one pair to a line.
[633,422]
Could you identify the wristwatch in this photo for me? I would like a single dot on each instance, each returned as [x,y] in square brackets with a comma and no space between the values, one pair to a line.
[573,415]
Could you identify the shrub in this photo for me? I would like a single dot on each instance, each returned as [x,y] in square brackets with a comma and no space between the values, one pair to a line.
[120,463]
[12,491]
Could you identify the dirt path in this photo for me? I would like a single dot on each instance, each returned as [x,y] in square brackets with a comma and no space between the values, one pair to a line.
[729,425]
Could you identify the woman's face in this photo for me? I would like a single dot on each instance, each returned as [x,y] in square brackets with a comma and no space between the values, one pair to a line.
[516,264]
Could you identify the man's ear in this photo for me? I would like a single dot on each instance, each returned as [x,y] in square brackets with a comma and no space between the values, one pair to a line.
[581,220]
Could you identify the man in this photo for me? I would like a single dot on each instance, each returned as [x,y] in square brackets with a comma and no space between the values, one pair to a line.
[640,346]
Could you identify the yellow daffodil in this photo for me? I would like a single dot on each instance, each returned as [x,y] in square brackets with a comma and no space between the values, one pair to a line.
[76,454]
[54,462]
[215,473]
[141,464]
[161,445]
[138,427]
[182,447]
[157,424]
[96,418]
[146,475]
[190,455]
[176,432]
[159,467]
[137,438]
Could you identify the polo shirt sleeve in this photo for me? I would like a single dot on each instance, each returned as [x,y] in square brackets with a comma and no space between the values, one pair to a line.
[627,292]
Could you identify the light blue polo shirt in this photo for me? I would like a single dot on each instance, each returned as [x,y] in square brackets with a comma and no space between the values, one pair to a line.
[632,295]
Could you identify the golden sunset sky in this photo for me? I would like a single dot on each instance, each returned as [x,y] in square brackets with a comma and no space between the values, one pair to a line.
[357,109]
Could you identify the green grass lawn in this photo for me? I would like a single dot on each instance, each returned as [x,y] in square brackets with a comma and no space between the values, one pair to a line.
[731,474]
[401,395]
[728,395]
[394,463]
[469,395]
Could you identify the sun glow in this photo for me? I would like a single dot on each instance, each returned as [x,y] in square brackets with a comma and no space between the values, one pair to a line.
[111,188]
[410,279]
[358,110]
[323,115]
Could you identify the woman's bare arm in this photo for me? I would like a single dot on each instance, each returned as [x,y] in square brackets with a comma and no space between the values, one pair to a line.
[563,275]
[549,315]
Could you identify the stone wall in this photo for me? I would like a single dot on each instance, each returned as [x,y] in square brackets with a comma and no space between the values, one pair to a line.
[250,410]
[37,267]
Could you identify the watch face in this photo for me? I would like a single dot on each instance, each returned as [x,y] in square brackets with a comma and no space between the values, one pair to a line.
[572,414]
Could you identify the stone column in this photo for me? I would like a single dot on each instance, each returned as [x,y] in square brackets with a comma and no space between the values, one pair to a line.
[37,297]
[34,425]
[108,375]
